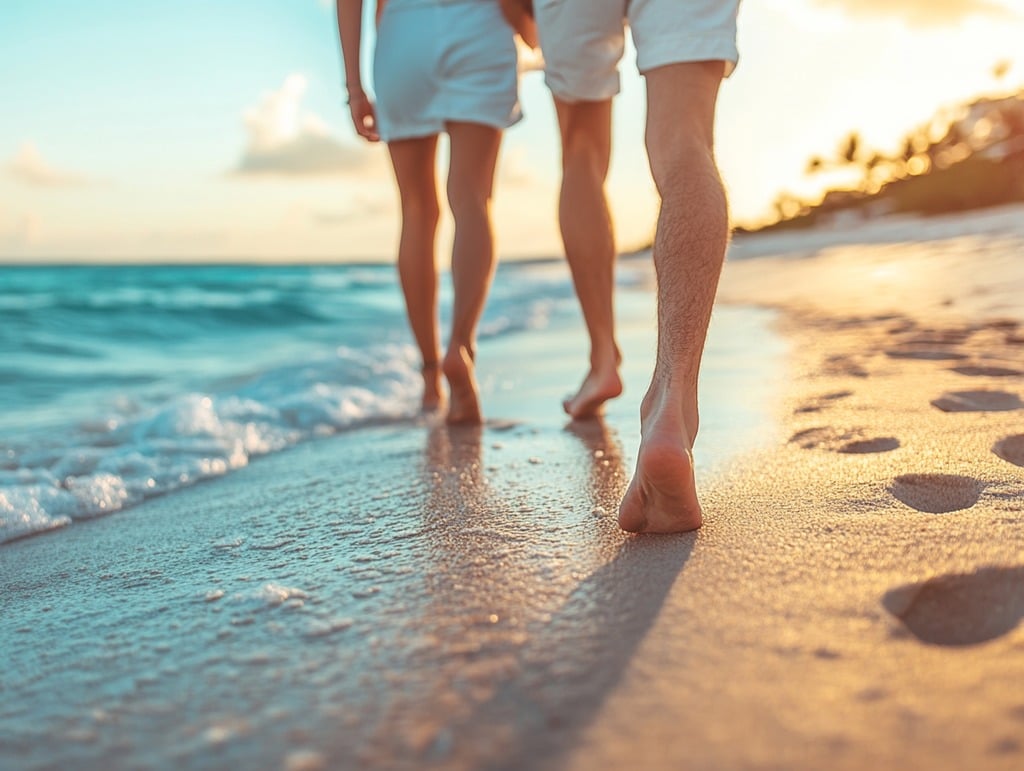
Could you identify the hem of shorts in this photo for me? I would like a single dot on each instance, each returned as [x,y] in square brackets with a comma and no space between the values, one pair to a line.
[500,124]
[694,49]
[582,95]
[413,132]
[440,126]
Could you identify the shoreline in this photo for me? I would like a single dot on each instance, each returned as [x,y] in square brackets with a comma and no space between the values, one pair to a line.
[511,367]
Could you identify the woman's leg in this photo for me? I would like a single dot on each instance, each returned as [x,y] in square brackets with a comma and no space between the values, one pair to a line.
[414,164]
[474,155]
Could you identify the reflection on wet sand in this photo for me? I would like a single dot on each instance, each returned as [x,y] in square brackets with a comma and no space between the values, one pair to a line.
[607,480]
[536,620]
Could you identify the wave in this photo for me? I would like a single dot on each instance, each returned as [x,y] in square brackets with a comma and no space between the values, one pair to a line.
[142,450]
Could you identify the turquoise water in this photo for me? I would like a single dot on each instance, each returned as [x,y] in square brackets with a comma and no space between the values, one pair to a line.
[122,383]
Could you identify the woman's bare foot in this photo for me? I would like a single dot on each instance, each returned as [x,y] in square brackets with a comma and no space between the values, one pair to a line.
[459,370]
[600,385]
[433,396]
[662,497]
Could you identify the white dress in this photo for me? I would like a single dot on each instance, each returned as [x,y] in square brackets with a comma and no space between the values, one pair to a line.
[438,61]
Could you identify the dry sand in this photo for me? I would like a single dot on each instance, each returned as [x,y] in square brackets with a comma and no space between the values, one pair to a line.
[415,598]
[855,598]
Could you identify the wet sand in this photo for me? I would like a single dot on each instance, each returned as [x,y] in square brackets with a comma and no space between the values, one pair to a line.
[417,597]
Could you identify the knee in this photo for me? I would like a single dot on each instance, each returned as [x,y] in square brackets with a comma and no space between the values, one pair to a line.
[420,213]
[468,203]
[682,164]
[584,155]
[585,129]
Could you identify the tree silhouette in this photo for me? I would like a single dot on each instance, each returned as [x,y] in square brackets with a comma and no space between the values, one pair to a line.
[850,148]
[967,155]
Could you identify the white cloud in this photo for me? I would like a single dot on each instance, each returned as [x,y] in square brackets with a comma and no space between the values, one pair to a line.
[929,12]
[29,167]
[285,141]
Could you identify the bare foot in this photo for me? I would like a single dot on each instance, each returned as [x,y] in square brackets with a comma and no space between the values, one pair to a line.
[599,386]
[662,498]
[433,396]
[465,397]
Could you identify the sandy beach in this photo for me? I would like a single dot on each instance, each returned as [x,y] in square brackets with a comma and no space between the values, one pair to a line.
[411,596]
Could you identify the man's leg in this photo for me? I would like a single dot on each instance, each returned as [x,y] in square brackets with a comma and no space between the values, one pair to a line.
[689,248]
[586,227]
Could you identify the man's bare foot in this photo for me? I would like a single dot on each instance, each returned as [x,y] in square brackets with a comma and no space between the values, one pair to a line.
[662,497]
[465,397]
[600,385]
[433,396]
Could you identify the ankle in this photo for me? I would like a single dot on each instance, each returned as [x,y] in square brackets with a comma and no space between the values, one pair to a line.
[669,401]
[605,358]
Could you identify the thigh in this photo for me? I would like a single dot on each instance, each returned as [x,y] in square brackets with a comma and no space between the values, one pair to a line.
[681,102]
[582,41]
[474,157]
[679,31]
[415,166]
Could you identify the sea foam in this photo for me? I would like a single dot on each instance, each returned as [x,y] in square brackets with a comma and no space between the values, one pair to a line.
[140,451]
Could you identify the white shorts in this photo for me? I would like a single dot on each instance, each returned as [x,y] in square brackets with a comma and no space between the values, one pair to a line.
[438,61]
[583,40]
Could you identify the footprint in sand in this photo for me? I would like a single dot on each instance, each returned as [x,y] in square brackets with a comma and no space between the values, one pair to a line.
[978,401]
[926,354]
[961,609]
[937,337]
[1007,324]
[842,364]
[977,370]
[875,444]
[902,326]
[820,402]
[936,493]
[1011,449]
[853,441]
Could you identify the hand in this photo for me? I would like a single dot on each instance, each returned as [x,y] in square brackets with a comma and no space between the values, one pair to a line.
[364,118]
[527,29]
[519,15]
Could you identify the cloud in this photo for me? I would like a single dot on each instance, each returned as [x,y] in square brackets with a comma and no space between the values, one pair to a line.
[24,231]
[515,170]
[29,167]
[360,209]
[926,12]
[285,141]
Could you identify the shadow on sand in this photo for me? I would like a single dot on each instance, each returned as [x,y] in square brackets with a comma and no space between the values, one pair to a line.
[572,660]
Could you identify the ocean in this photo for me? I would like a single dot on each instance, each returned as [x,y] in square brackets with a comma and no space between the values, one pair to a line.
[122,383]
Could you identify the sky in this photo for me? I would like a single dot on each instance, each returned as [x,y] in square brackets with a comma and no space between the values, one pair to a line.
[199,130]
